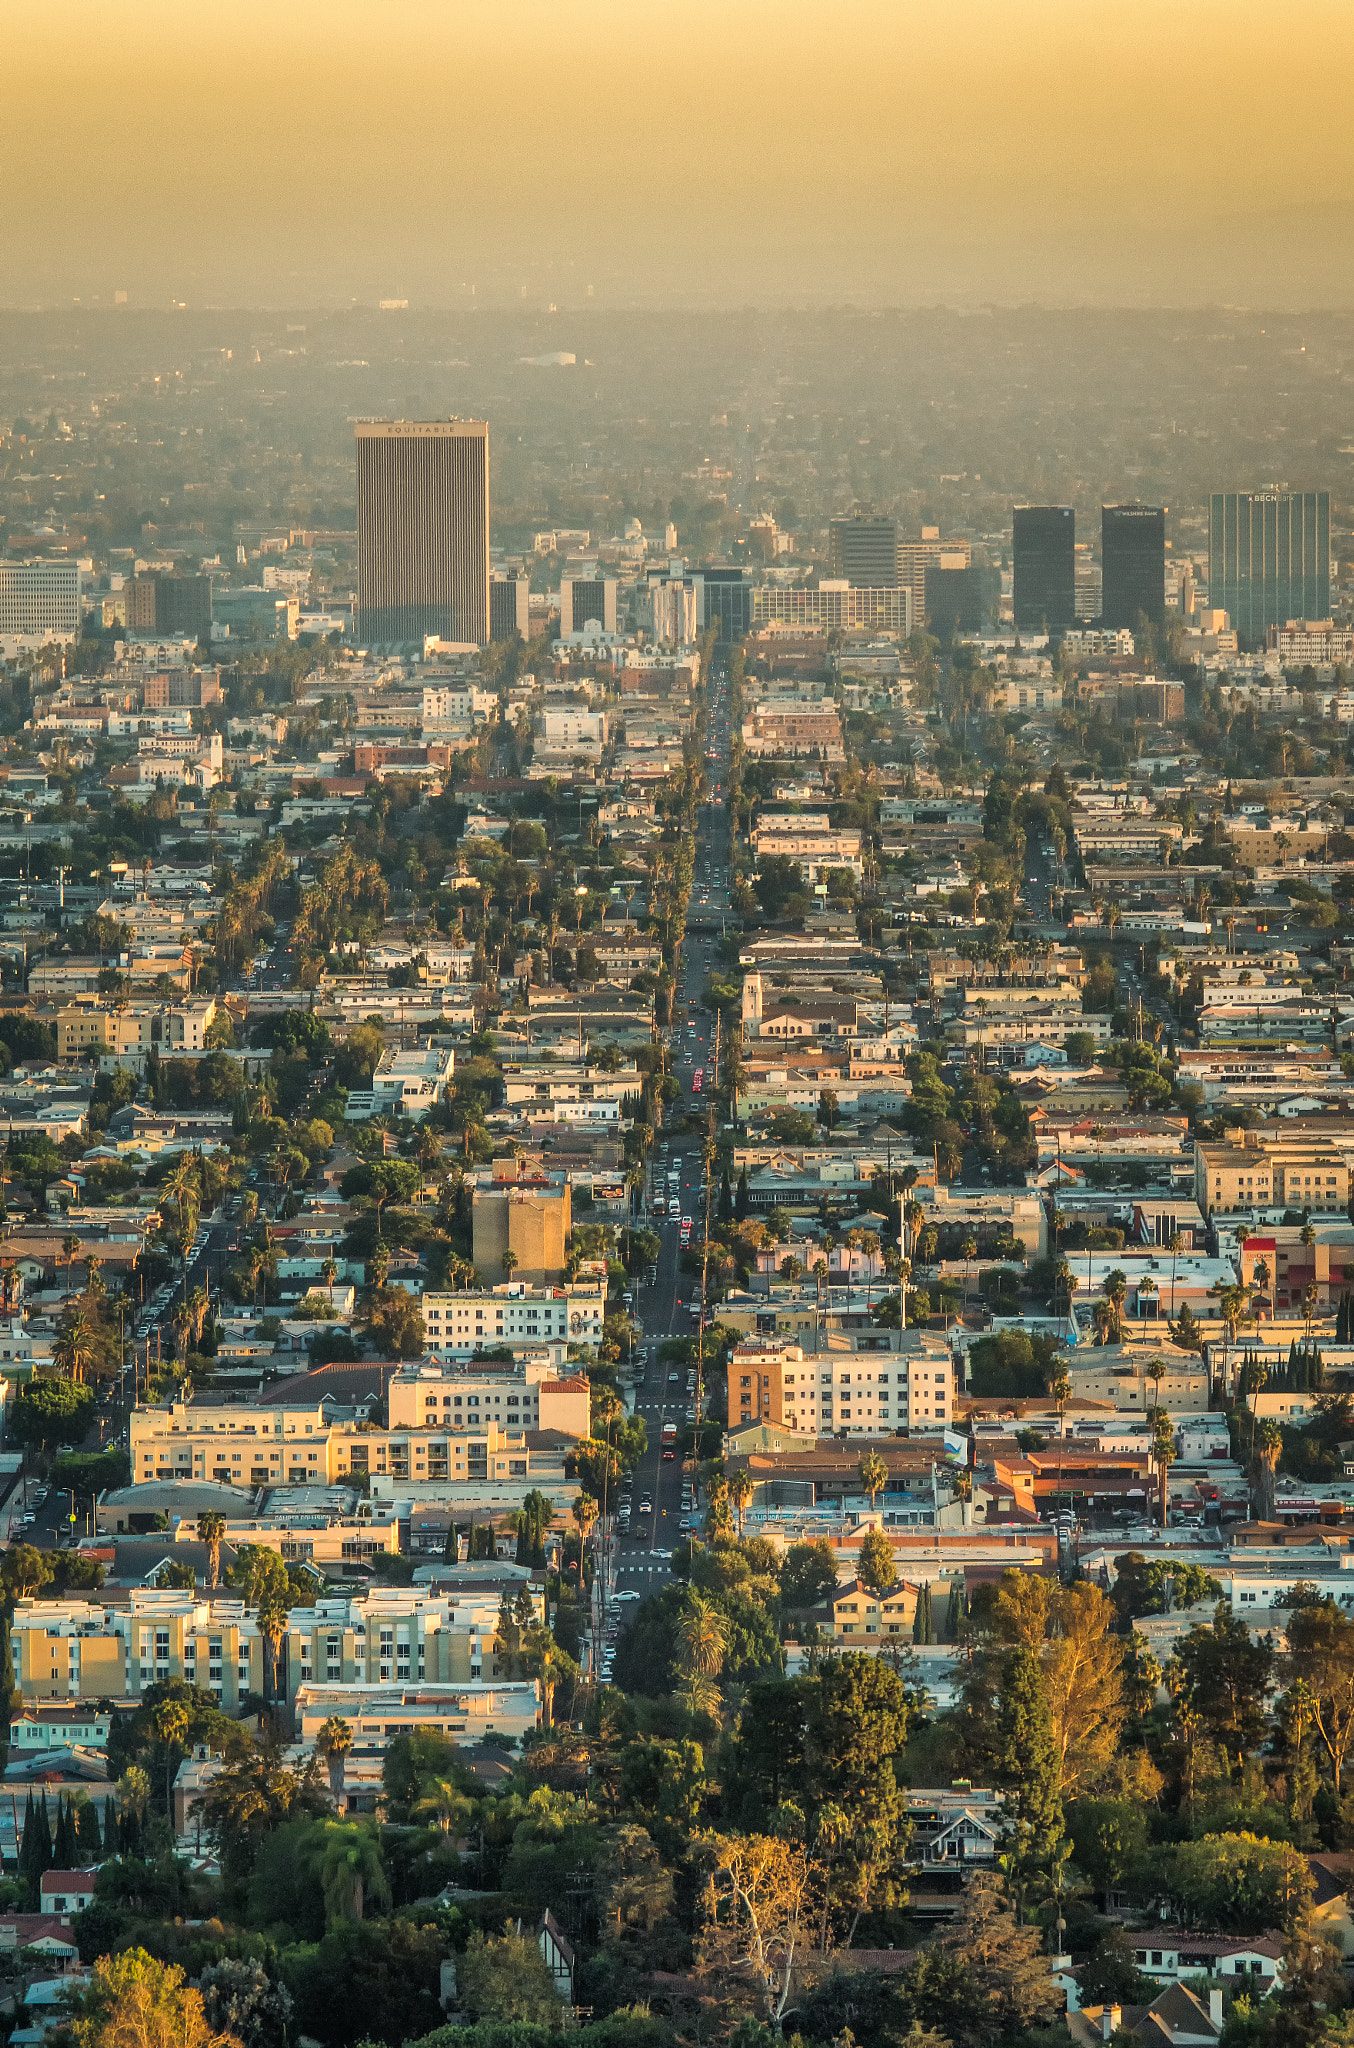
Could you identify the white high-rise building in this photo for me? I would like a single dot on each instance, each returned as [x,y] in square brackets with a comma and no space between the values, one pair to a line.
[39,603]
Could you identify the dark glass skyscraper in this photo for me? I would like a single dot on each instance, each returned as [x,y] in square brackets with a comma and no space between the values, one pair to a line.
[1133,564]
[422,531]
[1269,558]
[1043,555]
[864,551]
[724,601]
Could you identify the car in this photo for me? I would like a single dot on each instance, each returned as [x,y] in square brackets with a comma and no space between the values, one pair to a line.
[668,1456]
[675,1378]
[687,1522]
[629,1596]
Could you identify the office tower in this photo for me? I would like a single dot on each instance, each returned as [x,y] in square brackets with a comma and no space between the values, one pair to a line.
[587,599]
[724,601]
[169,605]
[957,596]
[916,557]
[864,551]
[1087,589]
[509,607]
[1044,549]
[1268,558]
[39,601]
[674,609]
[1133,565]
[422,531]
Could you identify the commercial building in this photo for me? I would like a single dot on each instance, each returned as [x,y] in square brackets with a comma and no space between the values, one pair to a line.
[171,606]
[509,607]
[955,595]
[835,606]
[39,601]
[864,551]
[587,601]
[724,601]
[1319,642]
[673,599]
[182,689]
[1133,565]
[1044,540]
[1269,558]
[530,1219]
[378,1713]
[916,558]
[251,613]
[422,531]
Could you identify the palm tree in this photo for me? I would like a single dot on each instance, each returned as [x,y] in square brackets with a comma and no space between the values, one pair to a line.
[74,1351]
[351,1868]
[914,1216]
[211,1527]
[169,1719]
[741,1490]
[378,1265]
[969,1249]
[332,1742]
[329,1274]
[1267,1449]
[509,1263]
[702,1637]
[1163,1455]
[874,1475]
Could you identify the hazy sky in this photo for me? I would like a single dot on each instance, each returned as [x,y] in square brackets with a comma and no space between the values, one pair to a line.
[313,151]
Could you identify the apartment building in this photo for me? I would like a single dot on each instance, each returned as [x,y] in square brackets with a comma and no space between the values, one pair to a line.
[405,1083]
[1270,1168]
[811,842]
[529,1218]
[530,1393]
[76,1649]
[165,1028]
[378,1713]
[259,1447]
[819,1392]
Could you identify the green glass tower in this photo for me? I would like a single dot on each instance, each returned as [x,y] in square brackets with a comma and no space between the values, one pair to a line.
[1269,558]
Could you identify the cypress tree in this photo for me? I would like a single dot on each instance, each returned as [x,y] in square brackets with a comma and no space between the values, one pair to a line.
[90,1839]
[61,1859]
[111,1838]
[725,1214]
[954,1613]
[921,1629]
[451,1549]
[43,1832]
[27,1846]
[740,1200]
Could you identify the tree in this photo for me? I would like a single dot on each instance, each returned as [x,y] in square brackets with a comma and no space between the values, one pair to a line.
[347,1860]
[170,1719]
[332,1743]
[1106,1835]
[1028,1768]
[133,2001]
[1237,1883]
[808,1574]
[211,1528]
[986,1980]
[505,1978]
[741,1489]
[702,1638]
[829,1112]
[1321,1656]
[875,1567]
[874,1475]
[757,1904]
[47,1412]
[241,2000]
[1223,1677]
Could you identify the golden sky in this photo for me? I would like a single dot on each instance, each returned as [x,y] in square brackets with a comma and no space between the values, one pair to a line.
[345,148]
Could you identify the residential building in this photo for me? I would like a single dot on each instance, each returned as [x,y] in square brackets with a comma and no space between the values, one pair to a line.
[958,1827]
[376,1713]
[1133,565]
[1269,558]
[166,1028]
[406,1083]
[673,601]
[43,1726]
[1167,1954]
[1271,1167]
[530,1219]
[423,531]
[863,551]
[458,1386]
[858,1612]
[77,1649]
[1044,567]
[39,602]
[819,1391]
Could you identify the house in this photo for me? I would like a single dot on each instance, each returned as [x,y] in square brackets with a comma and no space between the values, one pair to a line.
[1330,1912]
[957,1828]
[858,1611]
[43,1932]
[1168,1953]
[1177,2019]
[64,1892]
[558,1951]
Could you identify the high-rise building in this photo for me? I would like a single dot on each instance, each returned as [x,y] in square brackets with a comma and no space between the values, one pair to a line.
[724,601]
[39,601]
[957,596]
[422,531]
[587,599]
[509,607]
[864,551]
[917,557]
[1044,554]
[170,606]
[1133,565]
[1269,557]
